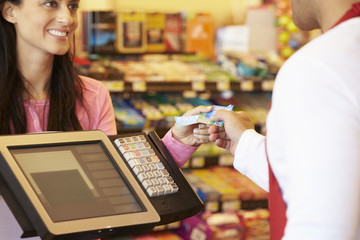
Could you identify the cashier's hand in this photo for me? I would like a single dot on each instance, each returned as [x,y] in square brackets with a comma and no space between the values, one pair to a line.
[235,124]
[194,134]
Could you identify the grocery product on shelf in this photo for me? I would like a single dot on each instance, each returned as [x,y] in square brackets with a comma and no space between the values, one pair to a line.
[155,32]
[173,32]
[99,32]
[127,116]
[200,35]
[225,189]
[131,32]
[231,200]
[257,224]
[214,226]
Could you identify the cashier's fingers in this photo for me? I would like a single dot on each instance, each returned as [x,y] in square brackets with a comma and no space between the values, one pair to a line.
[217,133]
[223,143]
[215,129]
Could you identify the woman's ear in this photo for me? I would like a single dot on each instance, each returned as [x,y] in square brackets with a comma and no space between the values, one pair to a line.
[8,12]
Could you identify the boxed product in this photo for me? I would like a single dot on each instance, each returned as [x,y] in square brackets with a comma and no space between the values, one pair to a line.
[200,35]
[257,224]
[173,32]
[99,32]
[213,226]
[131,32]
[126,115]
[206,193]
[226,186]
[155,32]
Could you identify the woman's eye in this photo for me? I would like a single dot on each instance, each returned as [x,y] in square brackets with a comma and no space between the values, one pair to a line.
[73,6]
[50,4]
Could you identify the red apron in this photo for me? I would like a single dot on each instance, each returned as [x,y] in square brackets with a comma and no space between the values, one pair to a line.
[277,206]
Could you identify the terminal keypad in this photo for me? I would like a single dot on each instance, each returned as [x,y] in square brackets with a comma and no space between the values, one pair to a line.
[146,165]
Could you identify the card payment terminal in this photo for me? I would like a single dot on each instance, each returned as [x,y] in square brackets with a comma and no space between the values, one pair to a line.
[86,185]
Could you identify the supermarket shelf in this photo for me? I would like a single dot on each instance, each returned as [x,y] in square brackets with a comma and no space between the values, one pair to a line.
[199,86]
[254,204]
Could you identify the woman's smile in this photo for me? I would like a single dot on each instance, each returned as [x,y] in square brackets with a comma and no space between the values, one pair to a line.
[58,33]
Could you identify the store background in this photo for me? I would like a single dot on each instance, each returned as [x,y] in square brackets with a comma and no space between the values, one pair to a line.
[225,12]
[235,208]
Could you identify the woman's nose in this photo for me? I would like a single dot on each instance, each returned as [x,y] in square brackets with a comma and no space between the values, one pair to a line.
[64,16]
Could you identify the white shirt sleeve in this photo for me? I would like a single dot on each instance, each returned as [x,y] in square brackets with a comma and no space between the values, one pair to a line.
[250,158]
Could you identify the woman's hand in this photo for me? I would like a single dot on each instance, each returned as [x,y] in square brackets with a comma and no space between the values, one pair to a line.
[194,134]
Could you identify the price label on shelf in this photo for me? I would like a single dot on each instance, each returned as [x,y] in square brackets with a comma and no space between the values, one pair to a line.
[190,94]
[198,85]
[223,85]
[247,86]
[115,86]
[226,160]
[212,206]
[267,85]
[139,86]
[197,162]
[231,205]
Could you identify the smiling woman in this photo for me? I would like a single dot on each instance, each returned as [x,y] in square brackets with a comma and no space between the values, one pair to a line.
[39,87]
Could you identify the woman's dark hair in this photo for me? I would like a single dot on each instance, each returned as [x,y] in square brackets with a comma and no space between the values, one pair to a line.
[65,87]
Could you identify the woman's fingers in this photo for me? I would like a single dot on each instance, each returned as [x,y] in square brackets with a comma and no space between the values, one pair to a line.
[198,110]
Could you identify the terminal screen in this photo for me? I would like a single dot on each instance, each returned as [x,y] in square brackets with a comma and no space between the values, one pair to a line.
[76,181]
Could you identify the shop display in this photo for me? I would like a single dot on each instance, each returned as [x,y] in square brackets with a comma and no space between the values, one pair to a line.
[159,111]
[127,116]
[257,224]
[214,226]
[200,35]
[131,32]
[222,189]
[155,30]
[290,38]
[173,32]
[167,68]
[99,32]
[225,189]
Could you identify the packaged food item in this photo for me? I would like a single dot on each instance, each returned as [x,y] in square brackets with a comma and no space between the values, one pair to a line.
[213,226]
[173,32]
[99,32]
[155,32]
[200,35]
[131,32]
[126,116]
[257,224]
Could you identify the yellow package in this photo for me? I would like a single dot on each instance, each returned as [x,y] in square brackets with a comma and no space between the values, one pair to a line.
[155,32]
[131,32]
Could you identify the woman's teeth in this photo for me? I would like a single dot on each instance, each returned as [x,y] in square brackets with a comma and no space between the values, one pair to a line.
[57,33]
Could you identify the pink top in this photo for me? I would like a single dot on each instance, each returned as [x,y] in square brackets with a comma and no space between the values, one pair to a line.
[99,113]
